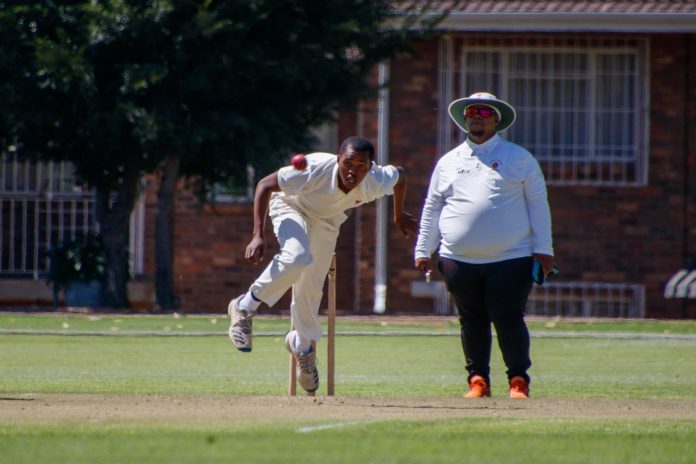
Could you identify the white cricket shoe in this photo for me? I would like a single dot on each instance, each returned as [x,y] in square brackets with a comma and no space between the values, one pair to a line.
[240,325]
[306,365]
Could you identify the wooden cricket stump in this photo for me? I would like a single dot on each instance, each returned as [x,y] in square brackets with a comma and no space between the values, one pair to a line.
[330,341]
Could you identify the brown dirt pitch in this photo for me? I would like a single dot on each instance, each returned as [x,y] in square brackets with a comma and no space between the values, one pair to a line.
[47,407]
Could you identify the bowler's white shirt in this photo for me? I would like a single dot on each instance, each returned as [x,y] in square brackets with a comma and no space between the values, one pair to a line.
[486,203]
[315,191]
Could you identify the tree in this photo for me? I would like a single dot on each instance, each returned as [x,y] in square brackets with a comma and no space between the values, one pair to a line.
[193,88]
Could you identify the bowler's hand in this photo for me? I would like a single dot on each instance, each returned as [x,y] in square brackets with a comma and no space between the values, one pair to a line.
[546,262]
[423,265]
[407,224]
[254,250]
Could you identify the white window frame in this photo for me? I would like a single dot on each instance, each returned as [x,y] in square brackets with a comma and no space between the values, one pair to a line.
[586,168]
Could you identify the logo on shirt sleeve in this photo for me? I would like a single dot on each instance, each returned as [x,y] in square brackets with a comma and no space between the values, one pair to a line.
[496,164]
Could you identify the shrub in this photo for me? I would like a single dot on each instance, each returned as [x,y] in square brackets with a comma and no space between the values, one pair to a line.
[79,260]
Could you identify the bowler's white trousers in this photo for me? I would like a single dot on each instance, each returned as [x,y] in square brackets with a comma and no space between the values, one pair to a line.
[306,249]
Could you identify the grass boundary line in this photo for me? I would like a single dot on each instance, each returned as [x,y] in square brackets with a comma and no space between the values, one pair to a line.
[533,334]
[334,425]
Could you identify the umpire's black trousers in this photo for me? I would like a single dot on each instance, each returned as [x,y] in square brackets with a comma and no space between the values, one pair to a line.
[491,293]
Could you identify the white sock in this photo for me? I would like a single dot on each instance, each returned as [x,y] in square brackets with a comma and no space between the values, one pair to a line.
[248,302]
[301,344]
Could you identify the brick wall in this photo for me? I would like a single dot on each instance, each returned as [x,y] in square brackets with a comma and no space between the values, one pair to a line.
[413,138]
[639,234]
[689,174]
[631,234]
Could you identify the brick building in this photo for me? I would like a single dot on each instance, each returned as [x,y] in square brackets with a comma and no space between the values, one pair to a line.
[605,93]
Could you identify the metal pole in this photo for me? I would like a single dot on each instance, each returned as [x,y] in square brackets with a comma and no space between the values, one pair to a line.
[382,206]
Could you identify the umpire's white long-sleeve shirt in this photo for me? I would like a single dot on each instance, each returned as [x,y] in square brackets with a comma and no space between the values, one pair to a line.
[486,203]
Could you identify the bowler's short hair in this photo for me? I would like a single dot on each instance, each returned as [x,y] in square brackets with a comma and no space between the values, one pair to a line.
[357,144]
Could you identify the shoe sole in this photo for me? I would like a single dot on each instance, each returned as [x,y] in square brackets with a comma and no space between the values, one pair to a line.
[230,334]
[309,391]
[243,349]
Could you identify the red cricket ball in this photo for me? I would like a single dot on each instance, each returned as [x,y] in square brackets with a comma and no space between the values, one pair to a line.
[299,161]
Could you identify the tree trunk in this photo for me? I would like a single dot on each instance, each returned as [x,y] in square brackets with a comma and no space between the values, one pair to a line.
[164,282]
[113,211]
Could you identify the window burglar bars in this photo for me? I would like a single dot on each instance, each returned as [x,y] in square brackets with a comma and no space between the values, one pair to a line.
[41,204]
[581,101]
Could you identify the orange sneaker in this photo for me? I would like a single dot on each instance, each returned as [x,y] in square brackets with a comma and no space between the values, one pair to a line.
[478,388]
[519,388]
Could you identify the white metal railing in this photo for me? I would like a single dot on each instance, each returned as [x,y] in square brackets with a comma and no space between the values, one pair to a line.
[682,284]
[557,299]
[587,299]
[437,290]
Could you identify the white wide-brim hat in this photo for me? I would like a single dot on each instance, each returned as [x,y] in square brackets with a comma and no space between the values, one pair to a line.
[506,113]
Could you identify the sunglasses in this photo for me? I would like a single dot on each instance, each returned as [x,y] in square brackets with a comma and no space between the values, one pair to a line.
[484,112]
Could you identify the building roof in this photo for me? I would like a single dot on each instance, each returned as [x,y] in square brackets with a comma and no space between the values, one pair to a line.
[570,16]
[578,6]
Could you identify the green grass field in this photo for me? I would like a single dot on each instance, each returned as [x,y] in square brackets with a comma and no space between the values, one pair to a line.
[203,324]
[577,365]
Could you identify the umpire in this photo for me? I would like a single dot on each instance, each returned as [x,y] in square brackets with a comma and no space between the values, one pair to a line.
[487,211]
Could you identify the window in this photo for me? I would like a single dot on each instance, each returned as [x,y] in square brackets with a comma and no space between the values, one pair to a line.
[327,138]
[43,204]
[231,192]
[326,141]
[581,102]
[40,204]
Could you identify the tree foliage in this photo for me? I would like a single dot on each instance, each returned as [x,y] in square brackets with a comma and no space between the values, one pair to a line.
[118,86]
